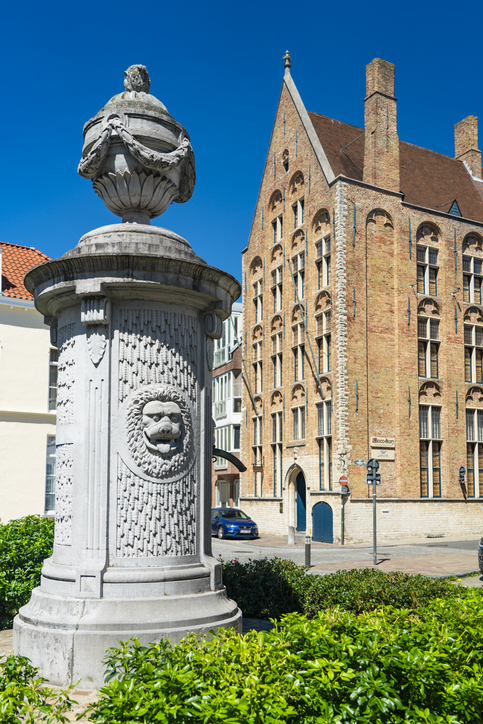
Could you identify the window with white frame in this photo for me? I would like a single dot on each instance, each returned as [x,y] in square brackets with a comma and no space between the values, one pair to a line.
[298,271]
[298,351]
[472,276]
[277,227]
[298,422]
[236,437]
[277,288]
[322,261]
[221,394]
[474,453]
[428,347]
[430,450]
[258,300]
[53,362]
[257,367]
[324,439]
[277,359]
[298,213]
[277,440]
[473,353]
[237,390]
[222,442]
[50,476]
[231,333]
[427,268]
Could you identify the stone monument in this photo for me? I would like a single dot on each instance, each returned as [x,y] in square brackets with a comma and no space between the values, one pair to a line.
[133,311]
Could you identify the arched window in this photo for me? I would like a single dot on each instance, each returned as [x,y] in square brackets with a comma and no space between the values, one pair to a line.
[428,237]
[474,442]
[298,412]
[430,440]
[257,364]
[257,447]
[277,442]
[473,335]
[277,355]
[324,436]
[285,160]
[321,231]
[428,343]
[472,268]
[256,270]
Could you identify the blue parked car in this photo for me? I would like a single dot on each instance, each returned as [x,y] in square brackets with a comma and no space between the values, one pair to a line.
[231,522]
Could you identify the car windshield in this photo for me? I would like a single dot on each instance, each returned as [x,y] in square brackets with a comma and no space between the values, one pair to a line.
[234,514]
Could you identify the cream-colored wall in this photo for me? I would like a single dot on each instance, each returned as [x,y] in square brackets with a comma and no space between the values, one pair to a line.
[25,421]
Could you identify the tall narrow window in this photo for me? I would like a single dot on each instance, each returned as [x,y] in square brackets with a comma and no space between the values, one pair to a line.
[427,270]
[298,351]
[472,276]
[473,353]
[474,453]
[298,270]
[277,289]
[298,423]
[277,227]
[324,439]
[258,300]
[428,347]
[277,359]
[430,450]
[322,261]
[257,451]
[50,476]
[53,362]
[298,213]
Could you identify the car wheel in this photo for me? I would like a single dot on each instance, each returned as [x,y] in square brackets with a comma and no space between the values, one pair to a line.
[220,533]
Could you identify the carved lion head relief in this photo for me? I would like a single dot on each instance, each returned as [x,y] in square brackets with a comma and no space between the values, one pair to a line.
[158,432]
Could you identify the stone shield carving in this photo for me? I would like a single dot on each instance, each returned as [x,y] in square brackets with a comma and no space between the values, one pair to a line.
[158,440]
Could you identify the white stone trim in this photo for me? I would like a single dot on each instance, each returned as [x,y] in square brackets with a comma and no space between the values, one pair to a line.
[309,129]
[343,448]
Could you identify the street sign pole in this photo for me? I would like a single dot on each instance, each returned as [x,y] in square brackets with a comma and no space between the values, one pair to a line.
[373,478]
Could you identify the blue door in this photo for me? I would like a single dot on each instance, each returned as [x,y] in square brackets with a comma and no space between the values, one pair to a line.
[300,500]
[322,523]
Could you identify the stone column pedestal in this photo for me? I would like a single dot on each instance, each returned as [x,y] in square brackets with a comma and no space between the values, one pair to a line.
[133,312]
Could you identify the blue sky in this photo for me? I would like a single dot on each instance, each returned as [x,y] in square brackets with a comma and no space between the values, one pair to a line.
[218,68]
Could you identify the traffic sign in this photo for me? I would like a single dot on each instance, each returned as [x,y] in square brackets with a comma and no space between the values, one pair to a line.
[343,480]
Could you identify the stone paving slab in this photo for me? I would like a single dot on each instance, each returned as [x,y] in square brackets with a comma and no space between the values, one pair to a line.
[438,566]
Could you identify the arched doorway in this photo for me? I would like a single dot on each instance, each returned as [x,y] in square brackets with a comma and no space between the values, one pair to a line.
[322,523]
[301,502]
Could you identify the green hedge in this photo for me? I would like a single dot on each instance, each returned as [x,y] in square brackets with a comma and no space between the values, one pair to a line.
[384,667]
[269,588]
[24,544]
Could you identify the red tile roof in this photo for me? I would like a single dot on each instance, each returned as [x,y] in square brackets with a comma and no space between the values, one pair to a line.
[16,262]
[427,178]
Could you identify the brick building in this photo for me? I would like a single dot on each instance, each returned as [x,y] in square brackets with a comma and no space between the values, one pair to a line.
[227,409]
[363,326]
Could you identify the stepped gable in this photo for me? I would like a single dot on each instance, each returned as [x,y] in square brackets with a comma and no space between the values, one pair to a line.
[428,179]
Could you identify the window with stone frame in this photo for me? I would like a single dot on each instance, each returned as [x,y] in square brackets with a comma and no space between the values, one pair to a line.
[474,452]
[298,351]
[472,278]
[258,300]
[298,271]
[324,441]
[257,452]
[473,335]
[277,228]
[322,261]
[277,289]
[277,359]
[427,270]
[324,346]
[277,440]
[285,160]
[298,213]
[430,442]
[298,422]
[428,347]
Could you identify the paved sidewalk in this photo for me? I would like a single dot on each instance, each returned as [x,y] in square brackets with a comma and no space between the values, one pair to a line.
[438,566]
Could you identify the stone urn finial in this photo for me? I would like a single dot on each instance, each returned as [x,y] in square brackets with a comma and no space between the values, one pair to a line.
[139,158]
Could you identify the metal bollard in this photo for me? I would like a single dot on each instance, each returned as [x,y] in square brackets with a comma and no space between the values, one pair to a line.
[307,551]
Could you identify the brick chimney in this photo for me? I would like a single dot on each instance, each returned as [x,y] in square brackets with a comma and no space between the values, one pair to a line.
[466,144]
[381,151]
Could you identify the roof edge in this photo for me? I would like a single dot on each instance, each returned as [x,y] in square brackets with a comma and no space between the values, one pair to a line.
[309,129]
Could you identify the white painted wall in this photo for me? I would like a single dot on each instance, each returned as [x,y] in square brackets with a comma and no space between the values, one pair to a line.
[25,420]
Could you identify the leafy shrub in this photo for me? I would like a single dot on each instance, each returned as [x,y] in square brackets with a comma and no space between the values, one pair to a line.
[24,544]
[270,588]
[23,696]
[384,667]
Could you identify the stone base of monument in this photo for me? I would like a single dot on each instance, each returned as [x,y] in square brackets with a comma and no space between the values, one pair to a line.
[68,637]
